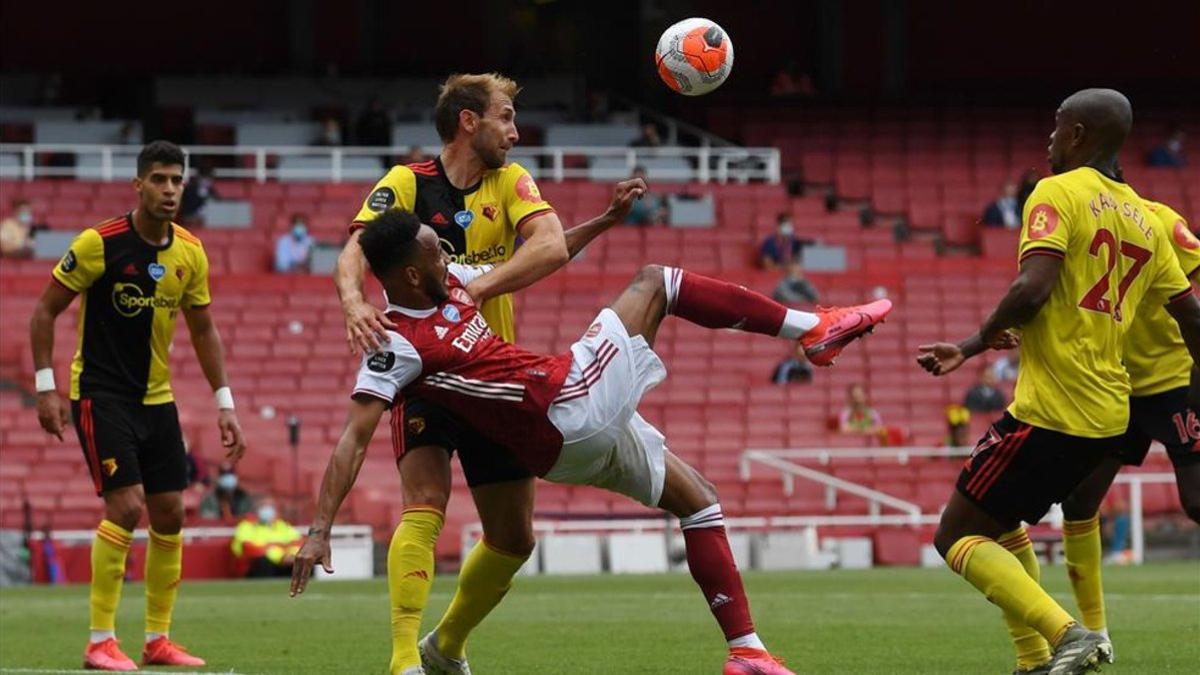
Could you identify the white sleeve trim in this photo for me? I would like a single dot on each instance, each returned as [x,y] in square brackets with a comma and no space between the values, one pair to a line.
[384,373]
[468,273]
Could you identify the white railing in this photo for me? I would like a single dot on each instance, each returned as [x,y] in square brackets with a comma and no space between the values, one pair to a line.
[785,461]
[337,164]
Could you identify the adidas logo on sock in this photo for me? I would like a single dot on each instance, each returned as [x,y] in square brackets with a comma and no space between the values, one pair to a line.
[720,599]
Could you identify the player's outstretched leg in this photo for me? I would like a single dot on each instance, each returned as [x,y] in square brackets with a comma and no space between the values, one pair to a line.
[713,303]
[966,538]
[122,510]
[691,498]
[164,566]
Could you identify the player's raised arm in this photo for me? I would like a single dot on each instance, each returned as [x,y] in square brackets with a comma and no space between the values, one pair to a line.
[340,474]
[542,254]
[625,193]
[52,411]
[366,325]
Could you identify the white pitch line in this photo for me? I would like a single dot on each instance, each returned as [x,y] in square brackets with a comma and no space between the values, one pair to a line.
[88,672]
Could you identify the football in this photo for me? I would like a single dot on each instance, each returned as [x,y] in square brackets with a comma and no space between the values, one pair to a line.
[694,56]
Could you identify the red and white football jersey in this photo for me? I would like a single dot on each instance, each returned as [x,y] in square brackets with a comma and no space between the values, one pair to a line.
[448,356]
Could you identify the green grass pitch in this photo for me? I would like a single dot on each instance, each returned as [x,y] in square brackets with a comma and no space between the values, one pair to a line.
[872,621]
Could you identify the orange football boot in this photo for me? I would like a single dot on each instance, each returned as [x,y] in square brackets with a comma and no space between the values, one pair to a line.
[839,326]
[106,655]
[163,652]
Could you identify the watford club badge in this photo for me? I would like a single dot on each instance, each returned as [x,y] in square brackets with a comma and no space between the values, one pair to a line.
[416,425]
[110,467]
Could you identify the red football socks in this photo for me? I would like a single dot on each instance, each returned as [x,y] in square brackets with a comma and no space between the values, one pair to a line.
[712,566]
[713,303]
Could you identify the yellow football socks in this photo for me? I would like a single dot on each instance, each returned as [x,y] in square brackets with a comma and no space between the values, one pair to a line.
[410,576]
[485,577]
[109,549]
[164,565]
[1032,648]
[1081,544]
[1004,581]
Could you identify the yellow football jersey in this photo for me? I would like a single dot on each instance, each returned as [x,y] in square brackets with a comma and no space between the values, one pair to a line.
[1072,378]
[1155,355]
[478,225]
[132,292]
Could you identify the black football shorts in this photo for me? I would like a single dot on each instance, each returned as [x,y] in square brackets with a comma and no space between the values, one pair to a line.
[1163,417]
[1017,470]
[483,461]
[129,443]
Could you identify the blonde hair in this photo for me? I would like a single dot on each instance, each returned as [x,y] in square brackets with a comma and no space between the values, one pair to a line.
[468,91]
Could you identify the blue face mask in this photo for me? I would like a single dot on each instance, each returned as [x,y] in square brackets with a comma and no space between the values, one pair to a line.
[227,481]
[266,514]
[299,230]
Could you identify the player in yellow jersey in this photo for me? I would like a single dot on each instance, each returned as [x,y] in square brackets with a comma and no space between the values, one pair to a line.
[478,205]
[1089,255]
[1160,371]
[134,274]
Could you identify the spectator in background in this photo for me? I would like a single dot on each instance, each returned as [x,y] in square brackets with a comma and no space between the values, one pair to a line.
[1005,211]
[1115,510]
[16,231]
[984,395]
[415,156]
[651,209]
[794,288]
[794,368]
[228,501]
[293,251]
[1029,180]
[374,128]
[650,137]
[374,125]
[781,248]
[265,545]
[1170,153]
[1005,368]
[199,188]
[331,133]
[958,426]
[129,134]
[858,417]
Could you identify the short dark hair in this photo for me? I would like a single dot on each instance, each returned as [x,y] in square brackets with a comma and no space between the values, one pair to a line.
[389,240]
[162,152]
[467,92]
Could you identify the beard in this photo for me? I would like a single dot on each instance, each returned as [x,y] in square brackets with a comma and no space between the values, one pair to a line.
[436,290]
[492,158]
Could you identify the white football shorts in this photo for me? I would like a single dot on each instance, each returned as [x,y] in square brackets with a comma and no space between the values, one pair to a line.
[606,443]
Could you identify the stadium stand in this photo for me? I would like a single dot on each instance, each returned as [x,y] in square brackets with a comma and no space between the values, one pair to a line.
[287,352]
[935,168]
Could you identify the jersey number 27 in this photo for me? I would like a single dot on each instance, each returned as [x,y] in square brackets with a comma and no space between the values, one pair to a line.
[1097,298]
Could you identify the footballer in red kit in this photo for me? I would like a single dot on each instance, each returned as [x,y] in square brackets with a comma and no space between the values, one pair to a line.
[572,417]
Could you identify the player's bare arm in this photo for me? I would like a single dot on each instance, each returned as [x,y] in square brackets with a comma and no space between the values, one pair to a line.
[366,325]
[210,352]
[1028,292]
[542,254]
[625,193]
[340,474]
[1186,312]
[52,410]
